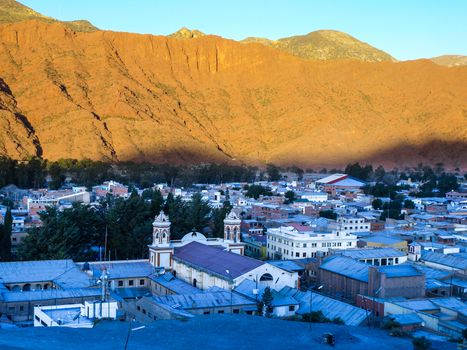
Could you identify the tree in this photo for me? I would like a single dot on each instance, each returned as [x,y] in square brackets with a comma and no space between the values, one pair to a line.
[198,212]
[329,214]
[380,173]
[129,226]
[273,171]
[156,199]
[267,300]
[218,217]
[421,343]
[289,197]
[57,176]
[69,234]
[358,171]
[447,183]
[5,237]
[254,191]
[298,171]
[408,204]
[315,317]
[377,204]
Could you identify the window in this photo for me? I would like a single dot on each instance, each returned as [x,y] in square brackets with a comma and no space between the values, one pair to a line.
[206,312]
[220,311]
[297,254]
[236,311]
[304,255]
[292,308]
[144,311]
[21,308]
[120,283]
[304,245]
[141,282]
[36,318]
[138,308]
[131,282]
[11,308]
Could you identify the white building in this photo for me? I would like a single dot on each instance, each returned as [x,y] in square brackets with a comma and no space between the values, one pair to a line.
[162,248]
[205,263]
[315,197]
[205,267]
[289,243]
[352,224]
[54,198]
[74,315]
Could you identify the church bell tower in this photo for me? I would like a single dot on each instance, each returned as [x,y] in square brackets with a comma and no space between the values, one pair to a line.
[232,233]
[161,250]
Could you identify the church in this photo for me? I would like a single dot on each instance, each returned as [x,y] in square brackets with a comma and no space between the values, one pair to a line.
[213,262]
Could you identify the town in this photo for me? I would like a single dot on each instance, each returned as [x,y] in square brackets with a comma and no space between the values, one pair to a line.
[358,247]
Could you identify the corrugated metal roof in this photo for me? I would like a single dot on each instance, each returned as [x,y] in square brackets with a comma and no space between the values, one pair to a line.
[203,300]
[215,260]
[50,294]
[403,270]
[431,272]
[174,284]
[288,265]
[331,308]
[123,269]
[346,266]
[383,240]
[445,259]
[372,253]
[406,319]
[279,299]
[38,271]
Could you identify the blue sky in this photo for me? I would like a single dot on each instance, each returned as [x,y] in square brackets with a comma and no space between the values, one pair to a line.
[406,29]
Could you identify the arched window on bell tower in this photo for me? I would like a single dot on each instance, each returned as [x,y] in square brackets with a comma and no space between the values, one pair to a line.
[161,230]
[232,227]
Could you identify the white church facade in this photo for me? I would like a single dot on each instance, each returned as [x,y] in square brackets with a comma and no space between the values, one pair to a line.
[162,248]
[213,262]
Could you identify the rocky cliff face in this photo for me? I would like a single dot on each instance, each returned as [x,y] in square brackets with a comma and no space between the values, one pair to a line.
[120,96]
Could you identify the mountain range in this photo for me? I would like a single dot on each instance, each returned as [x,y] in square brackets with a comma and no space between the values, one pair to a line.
[70,90]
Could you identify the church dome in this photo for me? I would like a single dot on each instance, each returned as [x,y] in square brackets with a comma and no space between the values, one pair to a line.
[194,236]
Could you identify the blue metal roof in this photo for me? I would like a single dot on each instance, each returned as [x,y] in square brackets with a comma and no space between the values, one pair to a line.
[448,260]
[203,300]
[288,265]
[122,269]
[372,253]
[63,272]
[403,270]
[406,319]
[279,299]
[346,266]
[331,308]
[174,284]
[215,260]
[50,294]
